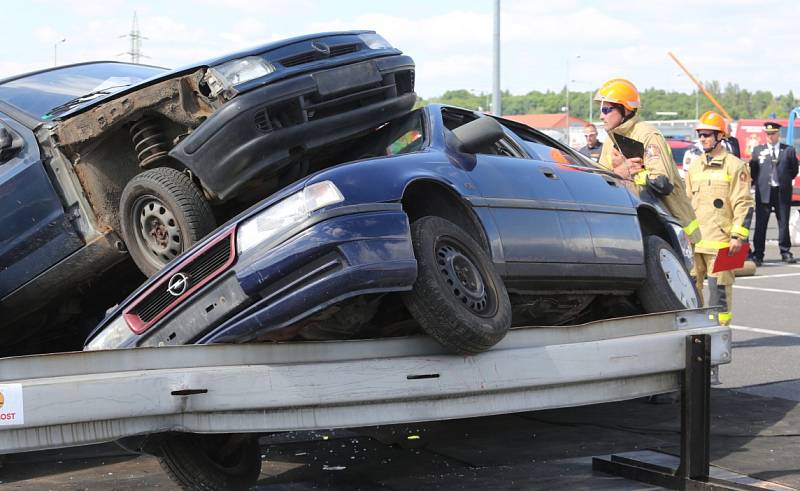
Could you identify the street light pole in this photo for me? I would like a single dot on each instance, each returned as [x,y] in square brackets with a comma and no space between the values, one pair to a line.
[567,106]
[577,57]
[497,110]
[55,51]
[696,104]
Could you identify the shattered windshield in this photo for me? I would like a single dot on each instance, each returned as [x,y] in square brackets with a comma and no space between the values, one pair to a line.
[40,93]
[402,135]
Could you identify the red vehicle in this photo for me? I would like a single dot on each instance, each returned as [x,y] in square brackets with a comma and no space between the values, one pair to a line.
[679,148]
[750,132]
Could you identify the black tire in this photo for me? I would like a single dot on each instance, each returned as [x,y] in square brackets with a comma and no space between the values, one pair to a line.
[458,297]
[193,461]
[668,285]
[162,213]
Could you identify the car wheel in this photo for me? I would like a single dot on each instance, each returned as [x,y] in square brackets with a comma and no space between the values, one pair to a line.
[668,285]
[211,462]
[162,213]
[458,297]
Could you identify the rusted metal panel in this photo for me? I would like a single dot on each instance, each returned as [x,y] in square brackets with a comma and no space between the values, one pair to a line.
[178,99]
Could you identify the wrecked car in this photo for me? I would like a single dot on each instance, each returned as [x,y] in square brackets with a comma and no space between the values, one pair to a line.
[447,220]
[101,160]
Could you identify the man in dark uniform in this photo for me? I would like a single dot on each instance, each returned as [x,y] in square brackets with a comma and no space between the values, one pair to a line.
[773,167]
[731,144]
[593,146]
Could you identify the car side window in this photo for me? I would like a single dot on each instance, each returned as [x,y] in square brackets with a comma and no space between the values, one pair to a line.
[453,118]
[554,154]
[507,148]
[542,147]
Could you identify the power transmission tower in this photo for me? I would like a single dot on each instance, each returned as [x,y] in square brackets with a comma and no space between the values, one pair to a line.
[136,42]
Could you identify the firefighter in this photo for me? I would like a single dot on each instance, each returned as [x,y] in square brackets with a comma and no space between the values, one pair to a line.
[718,184]
[655,170]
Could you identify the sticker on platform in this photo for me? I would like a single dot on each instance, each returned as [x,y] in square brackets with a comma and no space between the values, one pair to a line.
[11,412]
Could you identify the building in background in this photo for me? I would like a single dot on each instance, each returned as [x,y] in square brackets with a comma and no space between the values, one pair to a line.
[555,125]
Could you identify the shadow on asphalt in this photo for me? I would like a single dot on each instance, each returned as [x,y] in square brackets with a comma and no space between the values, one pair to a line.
[751,435]
[32,465]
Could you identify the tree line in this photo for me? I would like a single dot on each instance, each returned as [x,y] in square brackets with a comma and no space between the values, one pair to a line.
[740,103]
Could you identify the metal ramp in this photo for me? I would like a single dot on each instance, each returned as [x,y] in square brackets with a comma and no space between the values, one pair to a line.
[70,399]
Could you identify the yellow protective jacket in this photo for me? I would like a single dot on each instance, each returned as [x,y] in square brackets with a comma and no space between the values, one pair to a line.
[720,192]
[657,162]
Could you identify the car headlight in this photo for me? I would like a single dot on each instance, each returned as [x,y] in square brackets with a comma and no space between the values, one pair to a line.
[375,41]
[286,213]
[222,78]
[111,337]
[685,245]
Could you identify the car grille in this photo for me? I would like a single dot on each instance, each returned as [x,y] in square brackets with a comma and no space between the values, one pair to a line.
[312,106]
[200,268]
[313,55]
[262,120]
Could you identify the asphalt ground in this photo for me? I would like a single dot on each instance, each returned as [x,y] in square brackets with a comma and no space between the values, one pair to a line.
[766,328]
[755,429]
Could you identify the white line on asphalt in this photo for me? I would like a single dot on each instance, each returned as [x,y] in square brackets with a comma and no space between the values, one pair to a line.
[775,290]
[766,331]
[784,275]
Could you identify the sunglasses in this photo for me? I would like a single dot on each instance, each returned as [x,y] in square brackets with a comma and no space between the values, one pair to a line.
[607,109]
[705,135]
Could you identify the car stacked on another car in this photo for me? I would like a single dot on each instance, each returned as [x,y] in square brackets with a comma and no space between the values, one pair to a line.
[446,219]
[98,160]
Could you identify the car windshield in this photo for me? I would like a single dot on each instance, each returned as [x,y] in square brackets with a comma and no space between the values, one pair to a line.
[38,94]
[402,135]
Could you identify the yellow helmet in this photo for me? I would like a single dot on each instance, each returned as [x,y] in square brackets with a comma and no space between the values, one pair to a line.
[712,121]
[619,91]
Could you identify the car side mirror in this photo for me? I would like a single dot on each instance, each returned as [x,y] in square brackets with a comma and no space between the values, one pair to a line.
[8,144]
[478,135]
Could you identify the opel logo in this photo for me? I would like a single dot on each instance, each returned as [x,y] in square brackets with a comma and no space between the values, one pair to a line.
[178,284]
[321,48]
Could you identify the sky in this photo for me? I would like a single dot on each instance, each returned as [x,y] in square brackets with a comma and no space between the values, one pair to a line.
[545,45]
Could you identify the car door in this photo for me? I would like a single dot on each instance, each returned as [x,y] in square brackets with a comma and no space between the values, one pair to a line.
[602,200]
[606,207]
[35,232]
[535,214]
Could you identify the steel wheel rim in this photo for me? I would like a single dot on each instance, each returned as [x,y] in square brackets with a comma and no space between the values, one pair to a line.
[679,282]
[157,231]
[464,280]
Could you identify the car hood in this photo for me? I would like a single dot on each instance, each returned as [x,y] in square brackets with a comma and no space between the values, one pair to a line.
[254,51]
[221,230]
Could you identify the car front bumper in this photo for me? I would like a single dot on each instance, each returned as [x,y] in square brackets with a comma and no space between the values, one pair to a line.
[259,132]
[270,288]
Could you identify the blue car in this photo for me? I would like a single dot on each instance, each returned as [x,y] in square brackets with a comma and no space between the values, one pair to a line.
[447,220]
[101,161]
